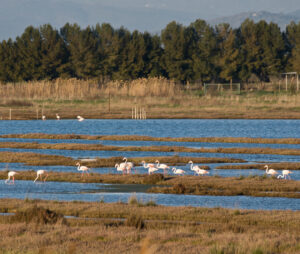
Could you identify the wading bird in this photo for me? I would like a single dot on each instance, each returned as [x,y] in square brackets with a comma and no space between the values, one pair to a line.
[194,168]
[152,170]
[270,171]
[11,174]
[40,174]
[121,168]
[43,117]
[285,173]
[57,117]
[128,165]
[80,118]
[147,165]
[162,166]
[178,171]
[201,171]
[82,169]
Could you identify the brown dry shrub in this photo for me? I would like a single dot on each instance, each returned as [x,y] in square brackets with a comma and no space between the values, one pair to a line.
[135,221]
[153,179]
[38,215]
[179,188]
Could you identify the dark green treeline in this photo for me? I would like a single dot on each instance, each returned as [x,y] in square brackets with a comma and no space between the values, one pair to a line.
[194,53]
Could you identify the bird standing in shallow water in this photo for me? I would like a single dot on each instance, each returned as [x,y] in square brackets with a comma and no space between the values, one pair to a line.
[178,171]
[40,174]
[80,118]
[11,174]
[164,167]
[270,171]
[285,173]
[82,168]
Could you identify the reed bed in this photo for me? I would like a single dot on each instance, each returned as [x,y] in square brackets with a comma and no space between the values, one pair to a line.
[175,149]
[148,138]
[35,159]
[165,230]
[257,186]
[161,98]
[74,89]
[47,160]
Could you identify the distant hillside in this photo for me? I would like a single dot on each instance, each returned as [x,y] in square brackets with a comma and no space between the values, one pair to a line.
[282,20]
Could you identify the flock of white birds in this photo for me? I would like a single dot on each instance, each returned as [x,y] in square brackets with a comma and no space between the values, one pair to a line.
[127,167]
[79,118]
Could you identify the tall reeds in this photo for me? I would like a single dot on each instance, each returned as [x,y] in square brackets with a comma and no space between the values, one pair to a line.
[71,89]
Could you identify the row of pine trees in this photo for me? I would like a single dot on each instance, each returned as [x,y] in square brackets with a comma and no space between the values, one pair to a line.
[194,53]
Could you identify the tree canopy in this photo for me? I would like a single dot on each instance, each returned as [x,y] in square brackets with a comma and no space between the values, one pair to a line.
[194,53]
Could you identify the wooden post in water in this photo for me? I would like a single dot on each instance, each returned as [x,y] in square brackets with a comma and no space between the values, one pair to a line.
[131,112]
[109,100]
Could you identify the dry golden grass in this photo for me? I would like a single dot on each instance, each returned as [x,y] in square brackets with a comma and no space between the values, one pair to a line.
[178,149]
[148,138]
[167,230]
[46,160]
[159,97]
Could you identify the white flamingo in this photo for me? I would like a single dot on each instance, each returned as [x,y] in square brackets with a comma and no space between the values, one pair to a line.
[57,117]
[82,169]
[121,167]
[270,171]
[40,174]
[285,173]
[80,118]
[201,171]
[194,168]
[11,174]
[162,166]
[152,170]
[147,165]
[128,165]
[178,171]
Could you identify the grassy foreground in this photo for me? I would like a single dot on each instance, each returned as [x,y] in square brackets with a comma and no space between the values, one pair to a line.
[147,229]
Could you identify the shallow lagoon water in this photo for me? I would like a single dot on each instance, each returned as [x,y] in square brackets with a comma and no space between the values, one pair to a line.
[159,127]
[141,170]
[155,128]
[121,193]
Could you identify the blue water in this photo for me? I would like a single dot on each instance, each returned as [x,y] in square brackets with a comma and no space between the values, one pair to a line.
[160,127]
[111,193]
[155,128]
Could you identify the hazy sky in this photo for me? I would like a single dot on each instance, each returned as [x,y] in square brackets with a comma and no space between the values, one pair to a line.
[143,15]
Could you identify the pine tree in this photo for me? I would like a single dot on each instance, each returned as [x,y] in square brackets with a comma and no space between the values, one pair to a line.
[228,53]
[205,51]
[53,53]
[293,37]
